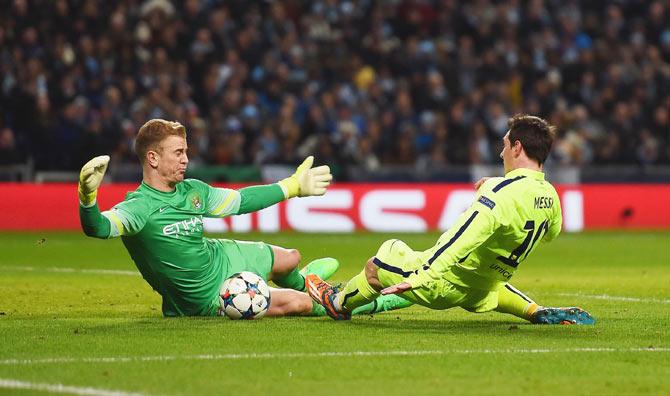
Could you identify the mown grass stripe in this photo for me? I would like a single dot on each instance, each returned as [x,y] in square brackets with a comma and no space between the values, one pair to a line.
[615,298]
[62,389]
[71,270]
[241,356]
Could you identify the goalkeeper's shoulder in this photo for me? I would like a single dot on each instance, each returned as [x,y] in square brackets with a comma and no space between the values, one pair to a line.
[194,183]
[137,202]
[189,185]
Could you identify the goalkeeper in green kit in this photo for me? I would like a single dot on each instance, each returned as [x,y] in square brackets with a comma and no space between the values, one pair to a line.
[472,263]
[161,226]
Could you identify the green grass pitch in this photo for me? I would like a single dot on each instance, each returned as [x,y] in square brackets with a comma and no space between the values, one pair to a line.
[76,318]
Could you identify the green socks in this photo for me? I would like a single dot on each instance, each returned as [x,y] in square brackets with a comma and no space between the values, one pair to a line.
[385,303]
[293,280]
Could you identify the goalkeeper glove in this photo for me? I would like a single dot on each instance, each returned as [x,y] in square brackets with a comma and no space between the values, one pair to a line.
[307,181]
[90,178]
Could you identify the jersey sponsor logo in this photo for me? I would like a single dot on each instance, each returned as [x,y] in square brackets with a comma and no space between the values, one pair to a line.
[502,271]
[487,202]
[184,227]
[161,210]
[544,202]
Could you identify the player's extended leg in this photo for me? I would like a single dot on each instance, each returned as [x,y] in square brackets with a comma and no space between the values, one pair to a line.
[287,302]
[361,290]
[339,303]
[514,302]
[383,303]
[285,268]
[359,296]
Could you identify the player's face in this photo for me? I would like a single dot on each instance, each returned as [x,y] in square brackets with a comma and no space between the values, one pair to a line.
[506,153]
[172,159]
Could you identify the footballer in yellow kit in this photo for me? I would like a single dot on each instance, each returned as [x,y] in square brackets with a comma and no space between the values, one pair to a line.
[472,263]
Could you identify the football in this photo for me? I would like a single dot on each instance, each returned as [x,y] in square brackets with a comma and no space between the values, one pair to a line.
[244,295]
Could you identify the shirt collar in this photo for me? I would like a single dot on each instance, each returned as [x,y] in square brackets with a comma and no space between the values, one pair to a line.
[525,172]
[144,186]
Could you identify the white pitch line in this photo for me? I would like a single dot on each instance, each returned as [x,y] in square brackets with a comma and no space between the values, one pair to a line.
[615,298]
[60,388]
[242,356]
[71,270]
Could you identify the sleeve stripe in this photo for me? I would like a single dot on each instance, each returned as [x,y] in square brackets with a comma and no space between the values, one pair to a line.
[219,209]
[117,222]
[506,182]
[453,239]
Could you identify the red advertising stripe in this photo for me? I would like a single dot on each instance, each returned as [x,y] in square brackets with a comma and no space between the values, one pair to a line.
[349,207]
[626,206]
[52,206]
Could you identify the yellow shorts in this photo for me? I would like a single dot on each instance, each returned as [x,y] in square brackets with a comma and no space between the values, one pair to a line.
[396,261]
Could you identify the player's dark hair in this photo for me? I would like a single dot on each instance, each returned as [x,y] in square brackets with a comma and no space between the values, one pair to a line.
[535,134]
[153,132]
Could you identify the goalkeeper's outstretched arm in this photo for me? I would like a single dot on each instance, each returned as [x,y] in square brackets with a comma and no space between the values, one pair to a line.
[306,181]
[92,221]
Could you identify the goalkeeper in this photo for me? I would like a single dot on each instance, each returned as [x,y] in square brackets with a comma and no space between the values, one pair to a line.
[161,226]
[472,263]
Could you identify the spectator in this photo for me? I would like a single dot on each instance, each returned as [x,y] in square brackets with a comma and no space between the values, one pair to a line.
[398,82]
[9,152]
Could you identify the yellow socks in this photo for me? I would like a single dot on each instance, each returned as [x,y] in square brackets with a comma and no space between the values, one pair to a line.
[512,301]
[356,293]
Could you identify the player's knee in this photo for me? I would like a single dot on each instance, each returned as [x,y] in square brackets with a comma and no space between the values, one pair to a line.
[294,257]
[371,274]
[286,260]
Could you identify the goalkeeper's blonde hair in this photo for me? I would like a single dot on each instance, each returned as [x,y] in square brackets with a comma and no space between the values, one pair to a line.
[153,132]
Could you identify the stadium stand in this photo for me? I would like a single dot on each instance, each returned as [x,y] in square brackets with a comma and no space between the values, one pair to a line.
[393,84]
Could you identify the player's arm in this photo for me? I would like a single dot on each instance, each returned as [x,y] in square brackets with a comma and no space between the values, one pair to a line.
[90,177]
[306,181]
[556,223]
[108,224]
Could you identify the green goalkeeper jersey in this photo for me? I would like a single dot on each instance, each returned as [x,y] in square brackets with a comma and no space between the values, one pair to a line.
[508,219]
[163,232]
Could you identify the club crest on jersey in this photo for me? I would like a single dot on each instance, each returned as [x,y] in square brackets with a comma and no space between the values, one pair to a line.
[196,202]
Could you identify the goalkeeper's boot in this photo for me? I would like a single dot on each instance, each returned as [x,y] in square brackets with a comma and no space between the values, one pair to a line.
[325,295]
[571,315]
[324,268]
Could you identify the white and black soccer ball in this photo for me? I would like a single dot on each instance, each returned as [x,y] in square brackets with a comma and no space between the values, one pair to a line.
[244,295]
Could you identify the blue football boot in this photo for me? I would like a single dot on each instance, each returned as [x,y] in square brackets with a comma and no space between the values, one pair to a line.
[571,315]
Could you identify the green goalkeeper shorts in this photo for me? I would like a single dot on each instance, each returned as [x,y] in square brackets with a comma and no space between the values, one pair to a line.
[396,261]
[256,257]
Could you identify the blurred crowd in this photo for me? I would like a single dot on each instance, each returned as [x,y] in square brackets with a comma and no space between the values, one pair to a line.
[358,82]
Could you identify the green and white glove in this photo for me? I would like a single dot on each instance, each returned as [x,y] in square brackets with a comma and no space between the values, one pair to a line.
[307,181]
[90,178]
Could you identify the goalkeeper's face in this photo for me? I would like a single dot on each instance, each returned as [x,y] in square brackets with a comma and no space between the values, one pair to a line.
[172,159]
